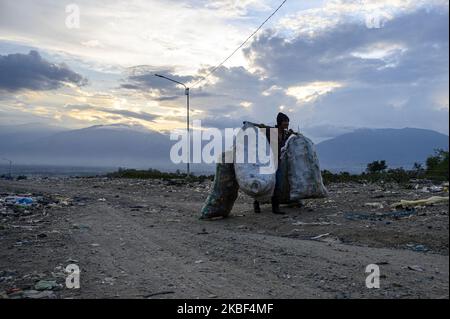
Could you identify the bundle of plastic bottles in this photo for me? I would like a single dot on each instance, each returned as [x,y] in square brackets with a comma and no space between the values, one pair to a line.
[299,175]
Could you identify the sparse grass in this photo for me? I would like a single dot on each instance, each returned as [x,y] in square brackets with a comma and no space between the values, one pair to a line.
[156,174]
[397,175]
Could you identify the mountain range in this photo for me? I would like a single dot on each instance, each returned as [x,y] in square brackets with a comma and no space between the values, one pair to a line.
[122,145]
[398,147]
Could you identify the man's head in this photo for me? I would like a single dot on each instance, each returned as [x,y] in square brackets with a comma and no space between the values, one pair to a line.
[282,121]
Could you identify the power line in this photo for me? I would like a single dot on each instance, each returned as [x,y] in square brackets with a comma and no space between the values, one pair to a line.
[239,47]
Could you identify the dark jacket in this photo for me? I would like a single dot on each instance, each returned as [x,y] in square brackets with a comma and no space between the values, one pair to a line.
[284,137]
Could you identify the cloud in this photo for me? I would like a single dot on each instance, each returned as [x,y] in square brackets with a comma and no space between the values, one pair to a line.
[180,33]
[328,74]
[233,8]
[393,76]
[86,108]
[142,78]
[31,71]
[311,91]
[346,77]
[333,55]
[372,13]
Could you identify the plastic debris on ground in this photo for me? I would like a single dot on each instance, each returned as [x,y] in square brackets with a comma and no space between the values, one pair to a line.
[379,216]
[47,285]
[374,205]
[421,202]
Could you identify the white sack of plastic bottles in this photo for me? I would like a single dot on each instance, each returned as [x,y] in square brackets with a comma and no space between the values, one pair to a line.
[256,178]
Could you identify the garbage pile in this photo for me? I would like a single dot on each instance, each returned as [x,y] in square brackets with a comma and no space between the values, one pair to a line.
[27,204]
[17,205]
[41,289]
[27,212]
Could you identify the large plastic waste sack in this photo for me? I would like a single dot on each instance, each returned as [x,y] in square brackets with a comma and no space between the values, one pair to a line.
[255,178]
[224,192]
[305,179]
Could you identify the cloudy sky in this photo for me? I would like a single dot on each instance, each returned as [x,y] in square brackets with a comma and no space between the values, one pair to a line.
[332,66]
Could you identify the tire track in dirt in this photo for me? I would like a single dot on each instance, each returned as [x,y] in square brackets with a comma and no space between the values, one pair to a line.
[174,253]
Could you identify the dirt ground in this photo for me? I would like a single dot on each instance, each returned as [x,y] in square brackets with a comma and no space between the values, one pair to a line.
[144,239]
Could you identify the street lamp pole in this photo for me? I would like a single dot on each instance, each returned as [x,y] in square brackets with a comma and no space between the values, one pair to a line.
[188,131]
[187,93]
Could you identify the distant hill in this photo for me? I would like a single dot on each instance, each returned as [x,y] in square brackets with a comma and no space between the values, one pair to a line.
[399,147]
[11,136]
[102,145]
[135,146]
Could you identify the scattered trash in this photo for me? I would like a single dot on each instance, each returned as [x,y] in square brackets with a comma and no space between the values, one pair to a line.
[13,293]
[109,281]
[415,268]
[13,290]
[72,261]
[47,285]
[320,236]
[80,226]
[17,205]
[418,248]
[159,293]
[34,294]
[19,200]
[203,232]
[35,226]
[300,223]
[374,205]
[432,189]
[24,201]
[422,202]
[7,274]
[379,216]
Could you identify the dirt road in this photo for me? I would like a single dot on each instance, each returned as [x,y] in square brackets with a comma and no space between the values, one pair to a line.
[143,239]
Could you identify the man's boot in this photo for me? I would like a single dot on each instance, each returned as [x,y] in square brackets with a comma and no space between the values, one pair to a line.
[256,207]
[276,206]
